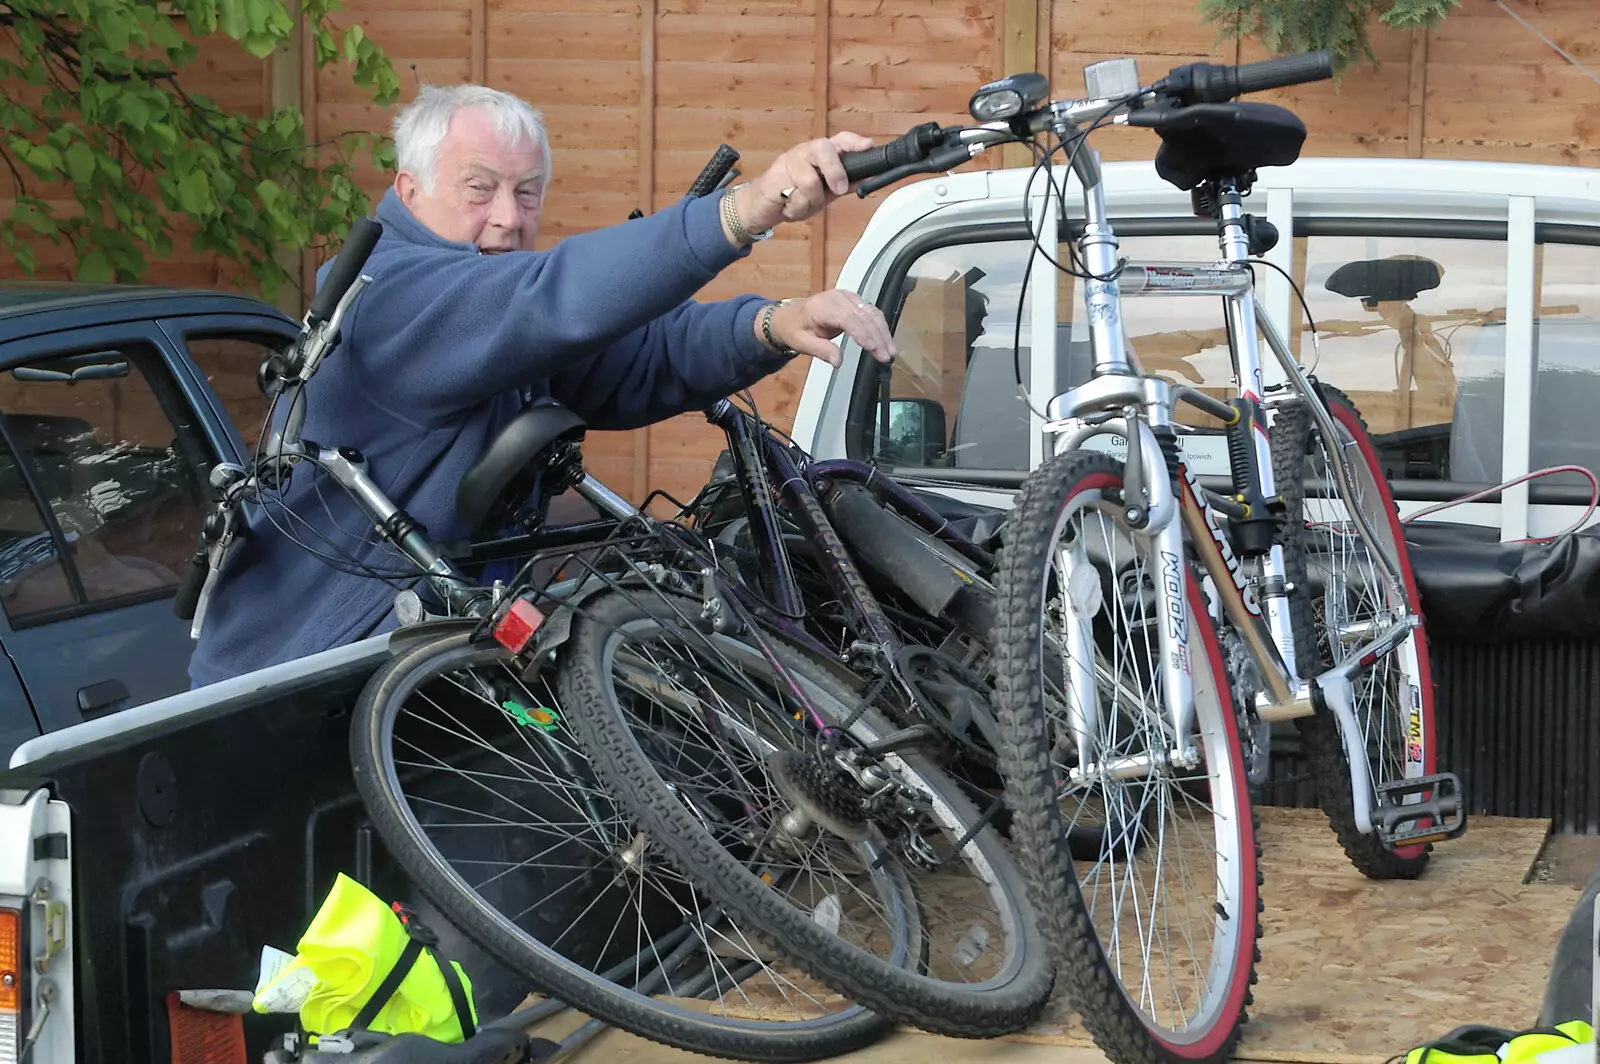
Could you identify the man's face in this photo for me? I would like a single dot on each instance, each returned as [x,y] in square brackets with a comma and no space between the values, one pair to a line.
[485,192]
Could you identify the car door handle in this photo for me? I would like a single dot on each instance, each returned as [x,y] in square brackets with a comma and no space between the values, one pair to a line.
[102,697]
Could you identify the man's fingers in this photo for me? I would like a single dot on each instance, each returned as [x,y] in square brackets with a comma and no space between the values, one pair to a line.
[824,155]
[808,194]
[869,328]
[817,347]
[846,141]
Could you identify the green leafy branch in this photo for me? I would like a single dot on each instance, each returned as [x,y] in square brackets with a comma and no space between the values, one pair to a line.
[96,105]
[1290,26]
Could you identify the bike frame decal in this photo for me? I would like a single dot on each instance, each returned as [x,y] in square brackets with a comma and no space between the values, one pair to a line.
[1219,537]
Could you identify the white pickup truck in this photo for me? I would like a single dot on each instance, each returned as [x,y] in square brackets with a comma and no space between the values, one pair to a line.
[1457,303]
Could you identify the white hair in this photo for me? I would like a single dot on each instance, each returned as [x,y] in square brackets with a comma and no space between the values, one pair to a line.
[421,125]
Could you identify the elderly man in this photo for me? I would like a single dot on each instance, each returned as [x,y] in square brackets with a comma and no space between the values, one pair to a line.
[465,322]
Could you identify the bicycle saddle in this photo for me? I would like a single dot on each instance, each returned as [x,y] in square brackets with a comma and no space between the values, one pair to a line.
[1375,281]
[1213,141]
[513,461]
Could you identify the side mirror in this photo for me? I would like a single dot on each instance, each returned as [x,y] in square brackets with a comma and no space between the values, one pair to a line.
[916,432]
[96,366]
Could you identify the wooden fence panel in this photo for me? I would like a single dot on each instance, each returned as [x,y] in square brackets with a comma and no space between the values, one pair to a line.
[637,93]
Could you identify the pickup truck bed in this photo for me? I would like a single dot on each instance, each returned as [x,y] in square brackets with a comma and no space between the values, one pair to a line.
[212,823]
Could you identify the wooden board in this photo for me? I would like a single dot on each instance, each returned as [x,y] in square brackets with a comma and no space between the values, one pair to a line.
[1354,970]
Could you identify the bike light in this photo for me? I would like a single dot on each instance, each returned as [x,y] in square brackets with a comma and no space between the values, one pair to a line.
[1009,97]
[516,628]
[995,106]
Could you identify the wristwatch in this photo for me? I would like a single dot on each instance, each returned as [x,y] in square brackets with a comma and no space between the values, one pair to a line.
[730,215]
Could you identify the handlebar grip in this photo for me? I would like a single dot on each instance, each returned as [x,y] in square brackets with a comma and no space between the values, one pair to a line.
[878,159]
[716,169]
[194,581]
[910,147]
[1280,73]
[346,267]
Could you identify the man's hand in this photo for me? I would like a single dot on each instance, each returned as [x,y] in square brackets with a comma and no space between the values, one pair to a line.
[809,326]
[799,183]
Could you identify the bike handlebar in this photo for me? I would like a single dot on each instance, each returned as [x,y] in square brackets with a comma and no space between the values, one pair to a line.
[908,148]
[717,168]
[1218,83]
[346,268]
[931,149]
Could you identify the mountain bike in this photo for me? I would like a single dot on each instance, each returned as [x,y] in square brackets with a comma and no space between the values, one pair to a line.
[1122,692]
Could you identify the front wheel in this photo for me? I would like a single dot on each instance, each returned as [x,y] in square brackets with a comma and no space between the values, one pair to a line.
[1155,932]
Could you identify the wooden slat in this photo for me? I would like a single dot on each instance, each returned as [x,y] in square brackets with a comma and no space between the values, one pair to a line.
[308,105]
[516,33]
[645,195]
[1417,103]
[480,41]
[821,68]
[707,84]
[1019,27]
[748,39]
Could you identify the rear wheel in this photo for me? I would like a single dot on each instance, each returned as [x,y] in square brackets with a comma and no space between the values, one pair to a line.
[487,799]
[873,872]
[1155,927]
[1340,601]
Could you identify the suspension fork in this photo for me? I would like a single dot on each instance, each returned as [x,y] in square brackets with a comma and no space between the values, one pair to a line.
[1149,461]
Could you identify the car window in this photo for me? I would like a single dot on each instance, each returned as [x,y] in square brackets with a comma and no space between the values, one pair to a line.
[231,361]
[1412,328]
[1566,346]
[32,578]
[951,399]
[117,457]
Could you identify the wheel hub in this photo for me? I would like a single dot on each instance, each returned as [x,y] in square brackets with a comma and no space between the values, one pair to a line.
[822,791]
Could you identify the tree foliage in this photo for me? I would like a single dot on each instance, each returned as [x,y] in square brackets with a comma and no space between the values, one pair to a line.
[93,100]
[1291,26]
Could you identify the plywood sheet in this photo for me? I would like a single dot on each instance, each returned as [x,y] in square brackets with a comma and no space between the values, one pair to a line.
[1356,970]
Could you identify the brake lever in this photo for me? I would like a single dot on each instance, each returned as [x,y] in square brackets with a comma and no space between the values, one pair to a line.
[946,158]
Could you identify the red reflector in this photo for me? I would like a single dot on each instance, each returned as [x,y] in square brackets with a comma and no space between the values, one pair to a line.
[202,1037]
[514,630]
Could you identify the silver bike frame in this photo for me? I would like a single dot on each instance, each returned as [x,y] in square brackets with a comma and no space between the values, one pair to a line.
[1120,400]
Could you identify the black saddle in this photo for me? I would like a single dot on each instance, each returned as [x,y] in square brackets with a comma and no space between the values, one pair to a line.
[1375,281]
[1214,141]
[500,481]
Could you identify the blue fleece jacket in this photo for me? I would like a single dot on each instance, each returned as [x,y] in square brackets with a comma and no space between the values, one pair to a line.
[440,351]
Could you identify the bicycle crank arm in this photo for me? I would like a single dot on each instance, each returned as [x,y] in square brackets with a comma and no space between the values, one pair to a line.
[1338,692]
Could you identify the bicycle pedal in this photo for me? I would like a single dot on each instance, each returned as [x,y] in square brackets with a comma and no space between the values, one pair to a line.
[1397,824]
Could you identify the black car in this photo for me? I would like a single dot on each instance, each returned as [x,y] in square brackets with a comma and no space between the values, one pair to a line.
[114,402]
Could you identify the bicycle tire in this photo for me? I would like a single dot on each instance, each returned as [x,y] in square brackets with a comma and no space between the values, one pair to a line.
[1119,1026]
[1292,434]
[692,1030]
[900,993]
